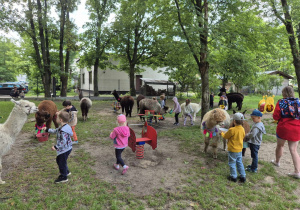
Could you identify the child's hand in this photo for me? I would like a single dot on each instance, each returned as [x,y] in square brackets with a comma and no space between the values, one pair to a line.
[222,133]
[53,148]
[44,128]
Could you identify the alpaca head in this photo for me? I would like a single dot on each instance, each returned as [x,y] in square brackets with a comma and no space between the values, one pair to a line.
[164,110]
[41,117]
[25,106]
[217,116]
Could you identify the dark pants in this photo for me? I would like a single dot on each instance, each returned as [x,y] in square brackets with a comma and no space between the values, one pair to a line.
[61,161]
[254,155]
[176,117]
[118,156]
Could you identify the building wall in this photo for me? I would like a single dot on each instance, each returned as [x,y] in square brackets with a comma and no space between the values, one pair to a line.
[277,91]
[110,79]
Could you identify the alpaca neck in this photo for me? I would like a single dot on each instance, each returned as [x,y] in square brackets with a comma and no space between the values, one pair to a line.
[14,123]
[210,124]
[116,95]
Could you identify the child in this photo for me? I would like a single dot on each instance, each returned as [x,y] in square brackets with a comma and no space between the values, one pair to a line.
[211,100]
[73,118]
[188,111]
[235,136]
[222,103]
[255,138]
[63,145]
[176,110]
[22,94]
[120,136]
[162,101]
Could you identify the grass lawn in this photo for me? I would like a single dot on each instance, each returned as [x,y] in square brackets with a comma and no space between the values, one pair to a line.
[30,184]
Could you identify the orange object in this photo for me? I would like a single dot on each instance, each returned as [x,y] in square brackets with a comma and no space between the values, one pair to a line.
[42,137]
[139,151]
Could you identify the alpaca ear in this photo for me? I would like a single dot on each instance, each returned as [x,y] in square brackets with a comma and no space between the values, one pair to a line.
[166,108]
[244,112]
[15,102]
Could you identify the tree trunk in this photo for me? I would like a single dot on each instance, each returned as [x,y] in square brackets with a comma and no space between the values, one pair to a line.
[204,70]
[131,78]
[63,75]
[292,40]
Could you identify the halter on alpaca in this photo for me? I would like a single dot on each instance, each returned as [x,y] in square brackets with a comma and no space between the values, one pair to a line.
[209,132]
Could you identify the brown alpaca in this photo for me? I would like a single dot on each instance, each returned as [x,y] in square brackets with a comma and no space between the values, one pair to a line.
[126,102]
[211,123]
[245,125]
[47,113]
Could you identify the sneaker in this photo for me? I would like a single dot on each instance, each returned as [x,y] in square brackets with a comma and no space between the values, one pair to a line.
[125,170]
[116,166]
[69,174]
[250,170]
[192,123]
[75,142]
[248,166]
[274,163]
[61,179]
[242,179]
[294,175]
[175,124]
[230,178]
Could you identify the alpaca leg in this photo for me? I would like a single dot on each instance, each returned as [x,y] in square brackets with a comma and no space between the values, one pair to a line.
[55,122]
[48,123]
[224,144]
[1,182]
[206,144]
[123,109]
[194,117]
[215,151]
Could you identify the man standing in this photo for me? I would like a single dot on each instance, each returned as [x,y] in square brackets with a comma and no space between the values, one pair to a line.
[14,92]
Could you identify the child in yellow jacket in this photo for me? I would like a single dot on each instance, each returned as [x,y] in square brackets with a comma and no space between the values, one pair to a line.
[235,136]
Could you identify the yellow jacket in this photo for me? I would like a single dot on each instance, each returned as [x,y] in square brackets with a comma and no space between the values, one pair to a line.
[235,136]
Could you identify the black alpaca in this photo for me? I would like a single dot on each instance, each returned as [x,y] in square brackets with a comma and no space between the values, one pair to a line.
[233,97]
[126,102]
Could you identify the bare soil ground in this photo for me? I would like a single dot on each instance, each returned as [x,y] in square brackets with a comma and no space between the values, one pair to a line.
[159,168]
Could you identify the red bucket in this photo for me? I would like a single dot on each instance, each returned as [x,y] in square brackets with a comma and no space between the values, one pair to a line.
[42,136]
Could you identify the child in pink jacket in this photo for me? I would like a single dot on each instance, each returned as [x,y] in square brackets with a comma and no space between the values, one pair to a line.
[120,136]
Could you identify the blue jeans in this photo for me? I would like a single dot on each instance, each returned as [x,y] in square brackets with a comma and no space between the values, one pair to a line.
[235,162]
[254,155]
[61,161]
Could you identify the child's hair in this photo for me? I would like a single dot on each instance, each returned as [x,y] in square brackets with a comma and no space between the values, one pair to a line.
[154,98]
[187,101]
[67,103]
[238,122]
[65,116]
[223,94]
[288,92]
[162,97]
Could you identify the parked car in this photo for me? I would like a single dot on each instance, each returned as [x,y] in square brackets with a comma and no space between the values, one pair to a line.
[22,83]
[6,87]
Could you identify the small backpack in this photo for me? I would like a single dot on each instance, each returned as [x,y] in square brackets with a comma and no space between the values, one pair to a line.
[290,108]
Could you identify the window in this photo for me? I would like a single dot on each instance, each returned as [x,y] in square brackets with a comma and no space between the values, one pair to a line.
[90,77]
[83,79]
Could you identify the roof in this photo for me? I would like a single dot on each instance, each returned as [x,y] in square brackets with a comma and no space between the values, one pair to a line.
[157,81]
[287,76]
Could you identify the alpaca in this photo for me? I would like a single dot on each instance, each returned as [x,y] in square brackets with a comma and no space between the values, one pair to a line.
[233,97]
[138,99]
[46,113]
[211,123]
[13,125]
[150,104]
[246,127]
[85,105]
[196,107]
[126,102]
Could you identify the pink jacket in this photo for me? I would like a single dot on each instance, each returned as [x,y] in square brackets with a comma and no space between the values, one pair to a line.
[120,136]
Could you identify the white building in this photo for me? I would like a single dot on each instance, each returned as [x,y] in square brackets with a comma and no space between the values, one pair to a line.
[285,82]
[110,79]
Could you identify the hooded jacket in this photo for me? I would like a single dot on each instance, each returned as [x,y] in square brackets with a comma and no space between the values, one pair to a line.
[63,138]
[177,108]
[255,134]
[120,135]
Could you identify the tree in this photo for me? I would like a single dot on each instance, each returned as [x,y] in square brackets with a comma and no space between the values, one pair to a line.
[97,36]
[137,34]
[288,15]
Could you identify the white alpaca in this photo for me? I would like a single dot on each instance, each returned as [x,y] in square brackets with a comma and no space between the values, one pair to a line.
[196,107]
[13,125]
[211,122]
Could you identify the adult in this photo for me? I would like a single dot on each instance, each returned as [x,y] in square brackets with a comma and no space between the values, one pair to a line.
[14,92]
[287,112]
